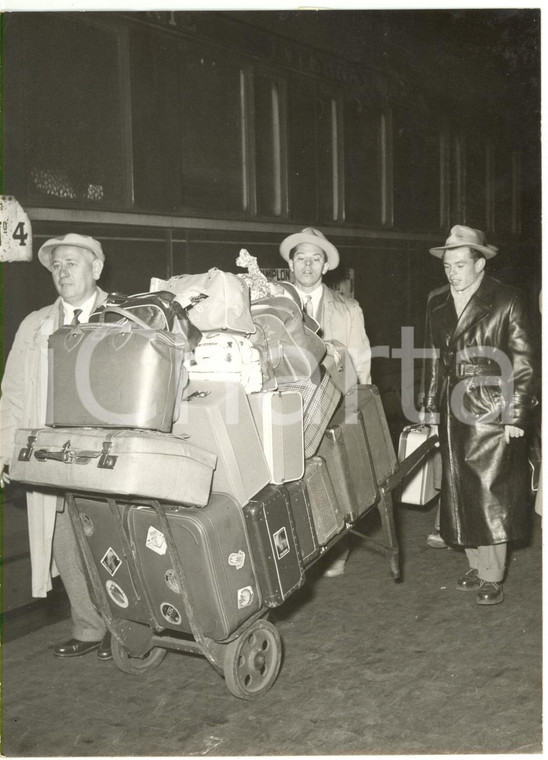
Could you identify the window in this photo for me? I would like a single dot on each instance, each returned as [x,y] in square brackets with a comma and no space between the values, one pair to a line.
[331,187]
[269,163]
[302,171]
[69,137]
[417,162]
[212,139]
[362,164]
[156,123]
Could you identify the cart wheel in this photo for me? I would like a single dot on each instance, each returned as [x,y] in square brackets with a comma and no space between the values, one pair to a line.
[136,666]
[252,661]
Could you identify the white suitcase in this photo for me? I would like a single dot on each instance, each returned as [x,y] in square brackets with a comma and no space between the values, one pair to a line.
[423,482]
[128,462]
[217,417]
[279,419]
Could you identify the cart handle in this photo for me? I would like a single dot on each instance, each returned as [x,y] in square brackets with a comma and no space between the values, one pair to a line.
[408,464]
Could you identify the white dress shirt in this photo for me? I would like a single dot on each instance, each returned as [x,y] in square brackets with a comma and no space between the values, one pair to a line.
[86,308]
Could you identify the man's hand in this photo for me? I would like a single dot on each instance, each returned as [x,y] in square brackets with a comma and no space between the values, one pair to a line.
[511,431]
[4,477]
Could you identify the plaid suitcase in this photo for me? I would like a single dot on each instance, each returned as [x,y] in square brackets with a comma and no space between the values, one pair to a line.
[319,403]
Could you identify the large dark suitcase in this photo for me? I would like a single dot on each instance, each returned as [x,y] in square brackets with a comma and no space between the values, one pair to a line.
[346,453]
[326,510]
[102,521]
[215,555]
[107,375]
[130,462]
[274,544]
[303,517]
[367,399]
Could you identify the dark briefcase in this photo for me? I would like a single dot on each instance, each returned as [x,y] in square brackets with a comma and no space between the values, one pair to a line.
[367,399]
[301,509]
[274,544]
[326,510]
[346,453]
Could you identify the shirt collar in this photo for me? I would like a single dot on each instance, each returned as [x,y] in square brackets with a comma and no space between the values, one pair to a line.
[467,293]
[86,307]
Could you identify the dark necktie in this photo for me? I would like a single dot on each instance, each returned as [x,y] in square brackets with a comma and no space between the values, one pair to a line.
[75,314]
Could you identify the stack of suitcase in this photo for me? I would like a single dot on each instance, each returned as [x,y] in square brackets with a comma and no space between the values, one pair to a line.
[247,502]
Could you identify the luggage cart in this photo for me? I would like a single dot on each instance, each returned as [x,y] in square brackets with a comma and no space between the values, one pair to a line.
[250,658]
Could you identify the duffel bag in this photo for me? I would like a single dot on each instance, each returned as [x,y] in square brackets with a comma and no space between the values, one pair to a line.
[157,311]
[215,300]
[295,351]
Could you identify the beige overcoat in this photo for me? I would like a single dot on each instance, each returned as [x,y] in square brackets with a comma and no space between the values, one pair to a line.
[23,404]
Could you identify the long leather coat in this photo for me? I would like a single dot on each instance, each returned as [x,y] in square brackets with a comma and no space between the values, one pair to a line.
[482,379]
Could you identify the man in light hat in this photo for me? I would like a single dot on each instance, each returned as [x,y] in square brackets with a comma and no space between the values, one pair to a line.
[310,255]
[75,262]
[481,383]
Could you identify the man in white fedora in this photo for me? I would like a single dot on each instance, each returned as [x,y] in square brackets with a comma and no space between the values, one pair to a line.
[310,255]
[481,383]
[75,262]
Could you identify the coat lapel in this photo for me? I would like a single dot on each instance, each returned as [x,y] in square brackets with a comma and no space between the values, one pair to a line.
[444,315]
[476,309]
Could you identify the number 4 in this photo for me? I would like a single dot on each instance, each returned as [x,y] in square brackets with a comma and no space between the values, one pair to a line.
[20,234]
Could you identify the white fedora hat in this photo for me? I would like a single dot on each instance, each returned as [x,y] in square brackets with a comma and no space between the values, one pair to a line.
[461,237]
[79,241]
[314,237]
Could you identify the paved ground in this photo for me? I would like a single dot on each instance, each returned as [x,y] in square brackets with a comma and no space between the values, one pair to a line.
[370,667]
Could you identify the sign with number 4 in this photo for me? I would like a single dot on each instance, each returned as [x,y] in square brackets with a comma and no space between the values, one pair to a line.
[15,231]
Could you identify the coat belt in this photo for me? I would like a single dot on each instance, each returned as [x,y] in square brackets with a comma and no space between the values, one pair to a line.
[464,369]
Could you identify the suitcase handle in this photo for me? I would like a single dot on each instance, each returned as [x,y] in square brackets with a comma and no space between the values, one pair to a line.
[68,455]
[127,314]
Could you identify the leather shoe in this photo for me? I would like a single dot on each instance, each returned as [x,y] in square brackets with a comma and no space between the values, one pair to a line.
[435,541]
[75,648]
[105,651]
[490,593]
[470,580]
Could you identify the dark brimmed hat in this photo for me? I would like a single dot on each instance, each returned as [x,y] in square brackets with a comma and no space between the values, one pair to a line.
[313,237]
[80,241]
[468,237]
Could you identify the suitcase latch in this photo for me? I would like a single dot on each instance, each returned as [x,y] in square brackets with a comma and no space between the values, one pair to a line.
[107,460]
[26,453]
[197,394]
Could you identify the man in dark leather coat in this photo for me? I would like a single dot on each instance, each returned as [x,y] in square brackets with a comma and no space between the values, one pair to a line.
[481,381]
